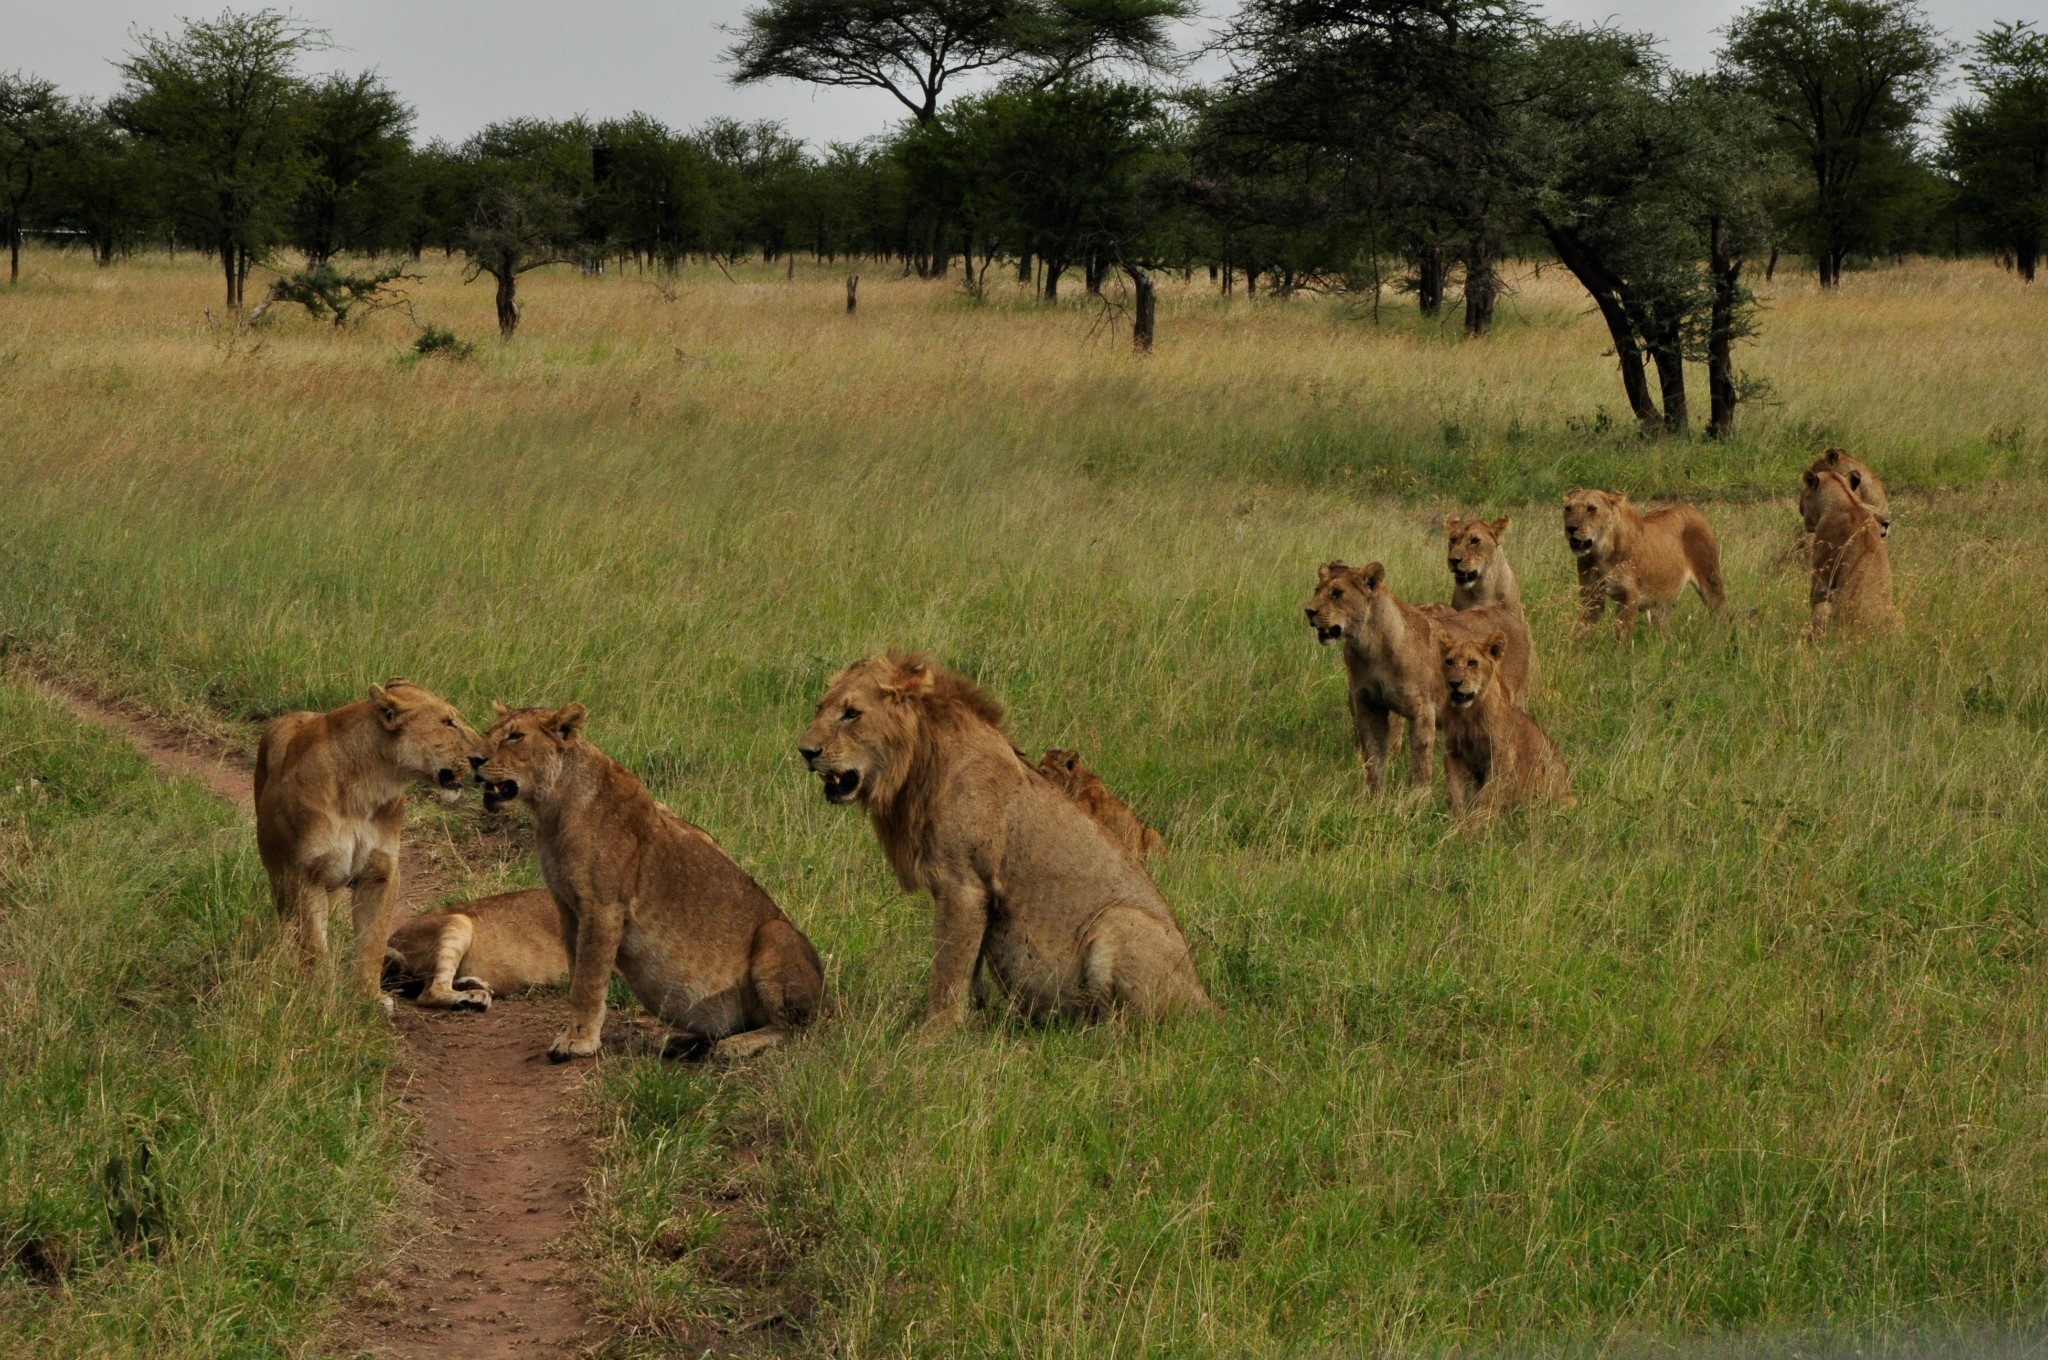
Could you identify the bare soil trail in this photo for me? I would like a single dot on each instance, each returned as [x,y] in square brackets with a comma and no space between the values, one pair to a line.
[503,1151]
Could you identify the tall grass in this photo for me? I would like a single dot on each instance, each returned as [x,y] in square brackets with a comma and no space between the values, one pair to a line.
[1752,1040]
[195,1148]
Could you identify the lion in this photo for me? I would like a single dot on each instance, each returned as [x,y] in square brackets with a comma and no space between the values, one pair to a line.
[1639,561]
[1085,787]
[1480,573]
[698,940]
[460,957]
[1495,756]
[1391,663]
[330,800]
[1862,480]
[1024,884]
[1852,568]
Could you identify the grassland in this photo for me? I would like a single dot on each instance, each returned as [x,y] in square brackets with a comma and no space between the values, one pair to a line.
[1751,1042]
[195,1151]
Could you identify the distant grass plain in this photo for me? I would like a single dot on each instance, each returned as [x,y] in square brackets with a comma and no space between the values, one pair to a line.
[1750,1044]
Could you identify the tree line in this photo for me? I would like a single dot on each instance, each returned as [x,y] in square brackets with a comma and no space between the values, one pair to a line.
[1356,146]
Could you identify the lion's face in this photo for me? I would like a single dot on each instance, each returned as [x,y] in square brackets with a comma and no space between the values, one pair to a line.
[1472,544]
[1469,667]
[1866,484]
[1343,599]
[863,726]
[523,751]
[429,738]
[1061,767]
[1588,520]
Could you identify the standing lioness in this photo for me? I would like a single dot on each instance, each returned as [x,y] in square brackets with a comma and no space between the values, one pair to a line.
[1639,561]
[330,800]
[1023,882]
[697,940]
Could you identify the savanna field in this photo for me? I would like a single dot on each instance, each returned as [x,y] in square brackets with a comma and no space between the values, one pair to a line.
[1750,1045]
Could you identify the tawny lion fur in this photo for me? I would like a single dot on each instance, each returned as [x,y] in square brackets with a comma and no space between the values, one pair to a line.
[330,803]
[1641,562]
[1480,571]
[697,940]
[460,957]
[1111,813]
[1495,756]
[1851,585]
[1392,664]
[1023,883]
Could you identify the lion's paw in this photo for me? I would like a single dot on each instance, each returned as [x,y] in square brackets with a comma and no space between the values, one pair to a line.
[567,1046]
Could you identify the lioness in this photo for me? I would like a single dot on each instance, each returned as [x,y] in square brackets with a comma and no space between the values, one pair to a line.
[1111,813]
[1851,585]
[1480,574]
[330,799]
[458,958]
[697,940]
[1022,881]
[1862,480]
[1391,662]
[1639,560]
[1495,755]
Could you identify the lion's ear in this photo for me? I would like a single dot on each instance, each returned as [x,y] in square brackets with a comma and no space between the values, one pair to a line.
[909,680]
[386,706]
[1855,481]
[567,722]
[1500,527]
[1452,524]
[1834,457]
[1374,574]
[1496,643]
[1329,569]
[499,708]
[1809,479]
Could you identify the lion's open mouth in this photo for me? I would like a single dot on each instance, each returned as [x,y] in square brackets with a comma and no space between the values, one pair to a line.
[498,792]
[448,779]
[1462,577]
[840,785]
[1460,697]
[1328,632]
[1581,546]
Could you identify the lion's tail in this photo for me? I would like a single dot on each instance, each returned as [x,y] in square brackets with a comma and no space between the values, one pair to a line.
[1703,556]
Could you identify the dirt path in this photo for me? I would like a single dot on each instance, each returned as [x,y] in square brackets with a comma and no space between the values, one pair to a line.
[503,1153]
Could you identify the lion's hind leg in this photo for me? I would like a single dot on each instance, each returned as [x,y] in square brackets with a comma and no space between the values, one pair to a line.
[1136,963]
[788,984]
[443,991]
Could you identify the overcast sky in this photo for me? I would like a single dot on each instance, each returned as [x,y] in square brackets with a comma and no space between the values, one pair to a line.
[463,63]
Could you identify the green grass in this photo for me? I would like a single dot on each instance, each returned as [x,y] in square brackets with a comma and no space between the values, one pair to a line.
[1749,1045]
[144,1025]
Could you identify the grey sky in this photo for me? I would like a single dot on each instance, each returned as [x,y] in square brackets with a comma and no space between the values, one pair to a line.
[462,63]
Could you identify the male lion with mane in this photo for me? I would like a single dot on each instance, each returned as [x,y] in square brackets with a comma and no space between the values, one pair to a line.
[1022,881]
[695,937]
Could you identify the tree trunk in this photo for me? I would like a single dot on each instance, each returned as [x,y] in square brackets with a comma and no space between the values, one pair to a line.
[1771,266]
[1148,301]
[2027,255]
[227,264]
[1053,270]
[1665,351]
[14,250]
[1606,292]
[1096,267]
[508,300]
[1482,286]
[852,292]
[1727,274]
[1429,279]
[1024,267]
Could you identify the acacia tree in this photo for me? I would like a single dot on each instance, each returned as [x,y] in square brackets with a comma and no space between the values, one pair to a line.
[33,129]
[1996,145]
[525,181]
[1845,82]
[356,135]
[219,103]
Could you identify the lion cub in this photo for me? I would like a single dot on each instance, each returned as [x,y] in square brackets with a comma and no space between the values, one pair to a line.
[1391,664]
[1113,814]
[1023,882]
[697,940]
[1495,755]
[1639,561]
[459,957]
[1852,568]
[1480,574]
[330,801]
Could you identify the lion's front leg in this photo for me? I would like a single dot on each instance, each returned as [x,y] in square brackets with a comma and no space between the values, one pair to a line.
[1592,596]
[1422,745]
[598,929]
[443,992]
[1374,728]
[960,921]
[374,905]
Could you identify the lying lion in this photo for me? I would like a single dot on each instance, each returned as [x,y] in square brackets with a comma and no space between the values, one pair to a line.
[1495,756]
[1851,587]
[458,958]
[1023,882]
[330,800]
[697,940]
[1111,813]
[1391,660]
[1639,561]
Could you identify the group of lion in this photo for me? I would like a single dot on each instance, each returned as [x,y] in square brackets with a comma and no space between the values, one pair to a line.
[1466,670]
[1036,872]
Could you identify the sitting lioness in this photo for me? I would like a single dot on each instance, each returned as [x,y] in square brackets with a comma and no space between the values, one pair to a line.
[459,957]
[1022,881]
[1851,587]
[1639,561]
[697,940]
[1391,660]
[1480,574]
[1111,813]
[1862,479]
[330,799]
[1495,755]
